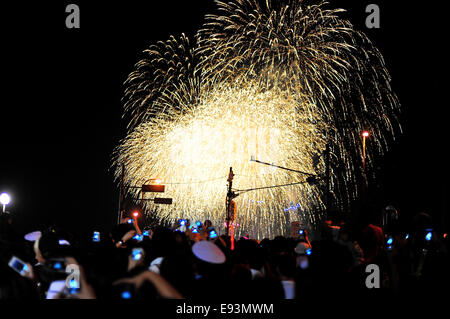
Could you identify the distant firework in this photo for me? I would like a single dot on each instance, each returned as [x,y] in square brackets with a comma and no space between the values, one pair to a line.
[274,80]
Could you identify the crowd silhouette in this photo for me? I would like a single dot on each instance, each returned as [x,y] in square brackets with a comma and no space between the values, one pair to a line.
[195,262]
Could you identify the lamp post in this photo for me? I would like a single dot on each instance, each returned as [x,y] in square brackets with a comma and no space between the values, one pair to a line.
[4,200]
[365,134]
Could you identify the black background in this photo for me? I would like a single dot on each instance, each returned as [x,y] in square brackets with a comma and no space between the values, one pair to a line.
[61,112]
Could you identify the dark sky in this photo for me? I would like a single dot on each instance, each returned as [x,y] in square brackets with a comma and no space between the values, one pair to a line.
[61,110]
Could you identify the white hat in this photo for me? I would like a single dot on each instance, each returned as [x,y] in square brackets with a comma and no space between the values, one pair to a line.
[209,252]
[301,248]
[33,236]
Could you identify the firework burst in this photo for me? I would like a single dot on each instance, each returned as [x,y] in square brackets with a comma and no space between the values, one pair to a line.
[274,80]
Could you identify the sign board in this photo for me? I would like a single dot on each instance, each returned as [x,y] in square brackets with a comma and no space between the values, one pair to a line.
[153,188]
[161,200]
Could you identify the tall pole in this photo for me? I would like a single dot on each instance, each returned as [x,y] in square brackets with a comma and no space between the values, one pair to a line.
[4,200]
[364,154]
[121,194]
[228,201]
[327,177]
[365,134]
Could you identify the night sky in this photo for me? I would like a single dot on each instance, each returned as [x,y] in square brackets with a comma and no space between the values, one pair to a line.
[61,110]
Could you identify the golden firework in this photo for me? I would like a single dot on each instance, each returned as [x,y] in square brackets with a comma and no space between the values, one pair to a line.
[264,79]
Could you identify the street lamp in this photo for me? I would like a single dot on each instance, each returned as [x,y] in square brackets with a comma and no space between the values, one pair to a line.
[4,200]
[365,134]
[156,186]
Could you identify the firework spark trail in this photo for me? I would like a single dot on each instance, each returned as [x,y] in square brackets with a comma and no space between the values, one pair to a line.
[266,79]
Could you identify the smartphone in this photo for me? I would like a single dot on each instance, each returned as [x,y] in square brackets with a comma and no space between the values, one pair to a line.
[429,234]
[137,253]
[73,287]
[182,222]
[145,233]
[126,291]
[301,232]
[389,243]
[194,231]
[19,266]
[130,221]
[138,237]
[212,234]
[96,237]
[57,264]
